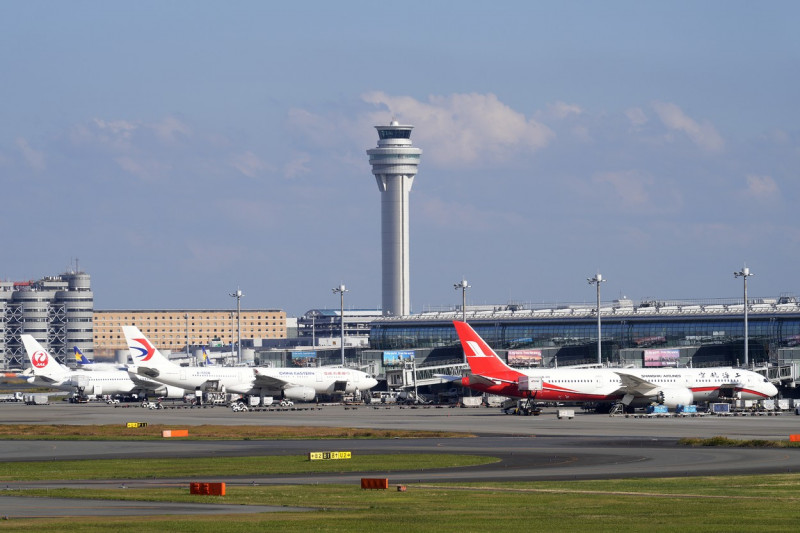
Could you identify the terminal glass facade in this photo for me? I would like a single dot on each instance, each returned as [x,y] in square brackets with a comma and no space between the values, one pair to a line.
[726,333]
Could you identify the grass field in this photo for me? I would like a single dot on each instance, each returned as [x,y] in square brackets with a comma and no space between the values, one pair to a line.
[740,503]
[226,466]
[698,504]
[211,432]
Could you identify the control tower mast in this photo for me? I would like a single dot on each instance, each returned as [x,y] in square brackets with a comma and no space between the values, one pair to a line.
[394,165]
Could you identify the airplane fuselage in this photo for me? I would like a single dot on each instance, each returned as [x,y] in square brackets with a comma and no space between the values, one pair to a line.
[253,381]
[603,384]
[95,382]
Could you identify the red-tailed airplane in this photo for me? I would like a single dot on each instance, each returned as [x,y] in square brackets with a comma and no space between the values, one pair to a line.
[631,386]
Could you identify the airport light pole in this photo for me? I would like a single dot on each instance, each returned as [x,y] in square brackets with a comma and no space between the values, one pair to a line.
[186,316]
[597,280]
[238,295]
[463,286]
[231,317]
[744,273]
[341,289]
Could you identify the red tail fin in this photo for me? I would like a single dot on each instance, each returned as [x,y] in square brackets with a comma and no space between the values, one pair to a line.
[481,358]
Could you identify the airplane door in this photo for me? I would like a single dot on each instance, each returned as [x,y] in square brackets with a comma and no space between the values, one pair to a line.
[183,375]
[598,382]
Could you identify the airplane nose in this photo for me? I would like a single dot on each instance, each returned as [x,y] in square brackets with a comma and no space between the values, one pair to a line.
[772,390]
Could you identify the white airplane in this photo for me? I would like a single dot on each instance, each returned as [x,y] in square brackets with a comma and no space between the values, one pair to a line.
[48,372]
[85,364]
[632,386]
[302,384]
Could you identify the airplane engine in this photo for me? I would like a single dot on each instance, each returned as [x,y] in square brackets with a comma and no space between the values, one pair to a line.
[676,396]
[169,392]
[301,394]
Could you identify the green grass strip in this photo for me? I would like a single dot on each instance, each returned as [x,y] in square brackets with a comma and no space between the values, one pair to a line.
[697,504]
[226,466]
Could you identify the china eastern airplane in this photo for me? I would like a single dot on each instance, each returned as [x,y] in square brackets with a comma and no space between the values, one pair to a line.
[631,386]
[48,372]
[301,384]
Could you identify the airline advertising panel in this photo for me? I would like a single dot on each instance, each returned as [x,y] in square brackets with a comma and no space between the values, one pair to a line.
[525,358]
[397,358]
[304,358]
[654,358]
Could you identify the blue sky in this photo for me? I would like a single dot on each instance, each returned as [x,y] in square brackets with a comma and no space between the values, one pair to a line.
[180,150]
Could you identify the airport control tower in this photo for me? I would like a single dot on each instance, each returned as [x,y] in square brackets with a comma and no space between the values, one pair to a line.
[394,164]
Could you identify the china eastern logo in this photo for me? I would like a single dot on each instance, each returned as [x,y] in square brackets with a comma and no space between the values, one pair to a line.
[146,349]
[39,359]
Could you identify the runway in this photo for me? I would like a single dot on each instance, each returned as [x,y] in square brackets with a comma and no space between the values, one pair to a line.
[590,446]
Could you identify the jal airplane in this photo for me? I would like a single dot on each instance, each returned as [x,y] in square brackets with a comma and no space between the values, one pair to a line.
[48,372]
[300,384]
[632,386]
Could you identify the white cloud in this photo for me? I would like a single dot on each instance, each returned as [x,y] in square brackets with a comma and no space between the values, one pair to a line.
[34,158]
[297,166]
[562,110]
[704,135]
[629,186]
[146,169]
[122,128]
[249,164]
[462,129]
[635,192]
[636,116]
[168,129]
[761,188]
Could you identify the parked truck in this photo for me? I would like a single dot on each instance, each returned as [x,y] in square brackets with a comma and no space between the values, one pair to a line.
[13,397]
[37,399]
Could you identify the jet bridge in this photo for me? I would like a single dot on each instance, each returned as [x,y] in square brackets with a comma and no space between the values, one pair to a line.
[411,375]
[785,374]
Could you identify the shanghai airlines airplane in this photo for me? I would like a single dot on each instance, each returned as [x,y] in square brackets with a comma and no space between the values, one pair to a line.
[302,384]
[48,372]
[632,386]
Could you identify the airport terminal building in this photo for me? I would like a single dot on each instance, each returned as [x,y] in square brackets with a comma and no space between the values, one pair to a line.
[652,333]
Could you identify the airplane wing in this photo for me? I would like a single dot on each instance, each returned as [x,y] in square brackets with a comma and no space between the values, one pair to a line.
[447,378]
[142,371]
[477,379]
[47,379]
[140,380]
[268,382]
[636,385]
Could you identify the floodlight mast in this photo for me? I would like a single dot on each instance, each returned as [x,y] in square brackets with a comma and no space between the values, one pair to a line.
[341,289]
[238,295]
[463,286]
[597,280]
[745,273]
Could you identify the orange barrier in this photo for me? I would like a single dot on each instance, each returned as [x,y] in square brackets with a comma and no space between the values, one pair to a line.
[374,483]
[794,438]
[175,433]
[207,489]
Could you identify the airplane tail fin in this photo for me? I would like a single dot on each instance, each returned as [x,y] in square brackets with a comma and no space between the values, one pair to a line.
[79,357]
[481,358]
[42,363]
[143,353]
[206,359]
